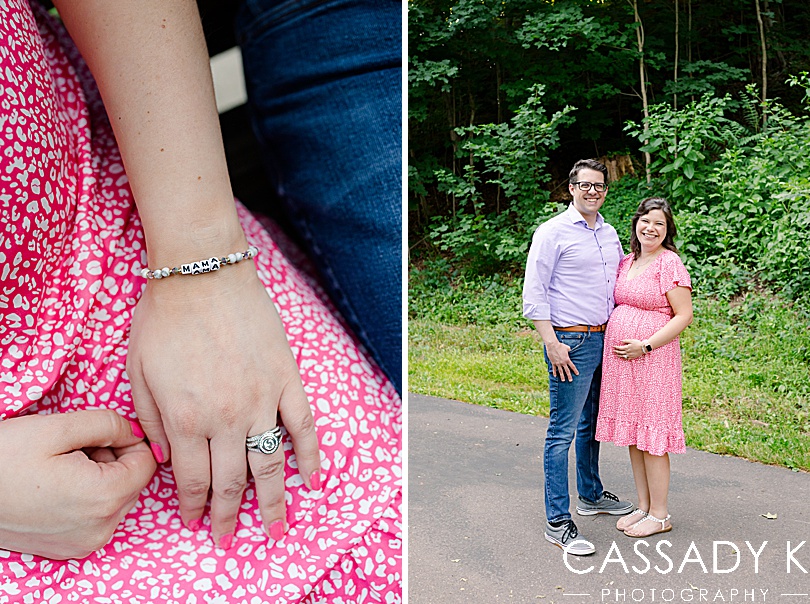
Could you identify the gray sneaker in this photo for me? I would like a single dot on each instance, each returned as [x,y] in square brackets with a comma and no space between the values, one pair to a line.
[566,537]
[608,503]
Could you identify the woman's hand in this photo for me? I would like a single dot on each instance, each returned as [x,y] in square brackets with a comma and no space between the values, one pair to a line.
[630,349]
[210,365]
[57,502]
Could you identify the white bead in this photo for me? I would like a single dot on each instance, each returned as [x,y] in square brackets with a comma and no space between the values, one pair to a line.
[166,271]
[231,258]
[157,275]
[145,273]
[239,256]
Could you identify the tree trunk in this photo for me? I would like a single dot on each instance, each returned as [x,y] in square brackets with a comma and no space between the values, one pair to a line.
[498,82]
[472,156]
[764,64]
[643,78]
[454,139]
[677,51]
[689,41]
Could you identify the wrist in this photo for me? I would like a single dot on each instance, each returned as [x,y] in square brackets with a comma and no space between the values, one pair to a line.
[216,235]
[191,290]
[646,346]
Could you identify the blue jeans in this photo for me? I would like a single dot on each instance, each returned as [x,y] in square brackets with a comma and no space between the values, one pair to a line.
[574,409]
[324,81]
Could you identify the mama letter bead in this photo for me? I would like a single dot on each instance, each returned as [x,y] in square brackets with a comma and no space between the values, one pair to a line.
[201,266]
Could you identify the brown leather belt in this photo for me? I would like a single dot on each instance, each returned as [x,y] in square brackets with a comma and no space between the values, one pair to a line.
[585,328]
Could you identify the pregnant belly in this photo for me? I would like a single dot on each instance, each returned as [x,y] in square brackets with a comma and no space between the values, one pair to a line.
[632,323]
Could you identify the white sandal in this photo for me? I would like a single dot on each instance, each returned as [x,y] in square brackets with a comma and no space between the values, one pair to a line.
[635,512]
[664,527]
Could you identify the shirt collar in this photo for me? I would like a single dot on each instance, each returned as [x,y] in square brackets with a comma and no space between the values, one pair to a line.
[575,217]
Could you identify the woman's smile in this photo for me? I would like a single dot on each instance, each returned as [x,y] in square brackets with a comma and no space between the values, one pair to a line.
[651,229]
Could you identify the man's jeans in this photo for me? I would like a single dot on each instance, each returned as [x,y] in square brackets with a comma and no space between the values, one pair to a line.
[574,408]
[324,80]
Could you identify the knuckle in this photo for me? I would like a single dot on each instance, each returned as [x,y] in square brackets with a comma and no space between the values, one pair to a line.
[232,489]
[185,420]
[103,510]
[228,415]
[301,423]
[112,420]
[193,489]
[270,468]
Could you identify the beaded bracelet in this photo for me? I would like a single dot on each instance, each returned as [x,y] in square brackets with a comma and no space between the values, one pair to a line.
[200,266]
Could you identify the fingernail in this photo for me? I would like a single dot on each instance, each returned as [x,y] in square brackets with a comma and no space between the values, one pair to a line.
[226,541]
[137,431]
[195,525]
[277,530]
[315,480]
[157,452]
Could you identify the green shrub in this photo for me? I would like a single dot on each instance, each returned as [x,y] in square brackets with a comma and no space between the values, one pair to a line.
[512,158]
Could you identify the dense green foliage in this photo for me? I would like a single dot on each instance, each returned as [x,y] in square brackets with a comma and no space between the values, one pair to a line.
[505,95]
[740,192]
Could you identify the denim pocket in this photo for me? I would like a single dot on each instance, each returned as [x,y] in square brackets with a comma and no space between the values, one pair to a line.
[571,339]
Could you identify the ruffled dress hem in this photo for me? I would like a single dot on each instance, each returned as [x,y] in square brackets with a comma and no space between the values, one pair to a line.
[645,438]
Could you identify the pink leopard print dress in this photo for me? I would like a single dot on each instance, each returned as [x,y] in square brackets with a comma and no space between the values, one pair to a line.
[69,240]
[640,400]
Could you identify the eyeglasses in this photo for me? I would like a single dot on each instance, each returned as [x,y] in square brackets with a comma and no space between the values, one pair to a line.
[586,186]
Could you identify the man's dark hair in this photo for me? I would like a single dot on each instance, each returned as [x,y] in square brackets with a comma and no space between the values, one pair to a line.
[589,164]
[645,207]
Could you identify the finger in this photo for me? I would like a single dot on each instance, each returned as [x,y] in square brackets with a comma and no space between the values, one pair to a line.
[100,454]
[296,417]
[148,414]
[192,471]
[229,472]
[128,474]
[573,368]
[87,429]
[268,472]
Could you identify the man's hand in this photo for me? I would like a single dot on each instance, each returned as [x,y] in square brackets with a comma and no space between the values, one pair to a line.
[561,364]
[67,480]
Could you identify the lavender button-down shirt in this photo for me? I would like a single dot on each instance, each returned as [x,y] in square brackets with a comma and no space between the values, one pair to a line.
[571,271]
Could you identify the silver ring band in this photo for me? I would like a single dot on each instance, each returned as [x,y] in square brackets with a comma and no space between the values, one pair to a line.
[267,442]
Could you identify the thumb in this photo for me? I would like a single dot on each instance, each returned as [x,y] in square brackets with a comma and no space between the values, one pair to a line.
[88,428]
[130,472]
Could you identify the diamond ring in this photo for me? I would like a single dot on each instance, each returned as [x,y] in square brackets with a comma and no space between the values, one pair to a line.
[267,442]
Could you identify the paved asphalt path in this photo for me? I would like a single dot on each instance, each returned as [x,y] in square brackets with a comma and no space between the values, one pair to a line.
[476,519]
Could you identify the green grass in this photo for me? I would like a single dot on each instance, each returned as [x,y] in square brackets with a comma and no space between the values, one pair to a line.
[746,365]
[486,365]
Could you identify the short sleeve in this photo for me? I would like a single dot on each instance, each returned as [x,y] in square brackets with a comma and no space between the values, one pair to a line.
[673,273]
[628,260]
